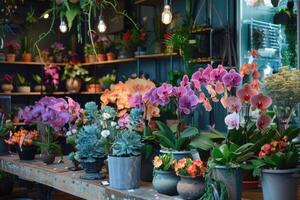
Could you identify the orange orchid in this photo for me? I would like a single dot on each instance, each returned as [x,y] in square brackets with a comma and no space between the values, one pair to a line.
[22,137]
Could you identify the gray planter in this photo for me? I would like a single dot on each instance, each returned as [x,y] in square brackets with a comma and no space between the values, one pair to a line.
[190,188]
[232,178]
[92,169]
[165,182]
[279,184]
[182,154]
[124,172]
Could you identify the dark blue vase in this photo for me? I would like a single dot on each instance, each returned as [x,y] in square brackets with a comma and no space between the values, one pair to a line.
[165,182]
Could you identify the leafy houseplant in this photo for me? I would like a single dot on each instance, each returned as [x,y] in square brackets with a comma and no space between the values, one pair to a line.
[107,80]
[74,74]
[111,52]
[24,85]
[125,45]
[7,85]
[89,55]
[39,81]
[125,157]
[165,179]
[191,172]
[26,49]
[101,49]
[12,47]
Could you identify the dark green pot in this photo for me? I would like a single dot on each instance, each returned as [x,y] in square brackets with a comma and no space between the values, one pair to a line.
[165,182]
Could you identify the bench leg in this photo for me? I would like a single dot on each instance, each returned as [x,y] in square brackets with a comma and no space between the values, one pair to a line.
[45,192]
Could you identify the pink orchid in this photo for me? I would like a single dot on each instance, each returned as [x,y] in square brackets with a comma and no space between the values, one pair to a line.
[261,102]
[263,121]
[232,79]
[206,72]
[217,74]
[233,104]
[185,81]
[198,79]
[246,93]
[232,121]
[219,87]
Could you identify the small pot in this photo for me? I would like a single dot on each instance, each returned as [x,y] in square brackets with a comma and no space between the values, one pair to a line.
[48,158]
[39,88]
[2,57]
[73,85]
[124,172]
[89,59]
[74,1]
[58,58]
[111,56]
[101,57]
[177,155]
[157,48]
[23,89]
[165,182]
[7,88]
[27,152]
[6,185]
[51,88]
[93,88]
[16,119]
[10,57]
[279,184]
[92,169]
[191,188]
[26,57]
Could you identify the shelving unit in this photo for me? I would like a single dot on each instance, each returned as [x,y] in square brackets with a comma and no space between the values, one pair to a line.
[54,93]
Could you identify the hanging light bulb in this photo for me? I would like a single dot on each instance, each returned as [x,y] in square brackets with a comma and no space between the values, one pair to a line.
[63,26]
[166,16]
[46,15]
[101,26]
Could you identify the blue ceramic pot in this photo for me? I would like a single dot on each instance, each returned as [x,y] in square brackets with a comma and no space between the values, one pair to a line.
[279,184]
[165,182]
[190,188]
[177,155]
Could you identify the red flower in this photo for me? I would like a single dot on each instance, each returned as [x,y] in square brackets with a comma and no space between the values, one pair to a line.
[261,154]
[266,148]
[261,102]
[263,121]
[246,93]
[126,36]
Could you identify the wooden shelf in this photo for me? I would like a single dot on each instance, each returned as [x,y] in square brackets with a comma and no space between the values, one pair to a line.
[30,63]
[19,124]
[156,56]
[109,62]
[204,60]
[148,2]
[202,30]
[54,93]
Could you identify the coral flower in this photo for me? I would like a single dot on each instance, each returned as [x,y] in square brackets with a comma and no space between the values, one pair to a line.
[246,93]
[255,84]
[261,102]
[233,104]
[205,102]
[263,121]
[157,162]
[192,170]
[256,74]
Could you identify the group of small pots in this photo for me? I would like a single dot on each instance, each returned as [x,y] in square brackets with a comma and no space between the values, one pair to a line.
[100,57]
[11,57]
[8,88]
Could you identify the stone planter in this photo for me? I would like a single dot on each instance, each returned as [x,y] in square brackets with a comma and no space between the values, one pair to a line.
[124,172]
[39,88]
[7,88]
[279,184]
[10,57]
[92,169]
[26,57]
[23,89]
[73,85]
[191,188]
[93,88]
[165,182]
[27,152]
[182,154]
[111,56]
[123,54]
[48,158]
[101,57]
[232,178]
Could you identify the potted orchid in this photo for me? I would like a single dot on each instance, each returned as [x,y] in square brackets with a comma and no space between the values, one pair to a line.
[7,83]
[12,48]
[51,77]
[57,49]
[24,85]
[74,74]
[39,81]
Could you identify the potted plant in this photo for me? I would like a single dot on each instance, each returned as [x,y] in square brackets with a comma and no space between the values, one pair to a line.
[111,55]
[89,55]
[277,164]
[12,48]
[6,183]
[24,142]
[164,179]
[74,74]
[93,85]
[24,85]
[107,80]
[57,49]
[26,45]
[51,77]
[125,45]
[7,83]
[101,50]
[159,29]
[191,172]
[38,80]
[139,40]
[125,157]
[14,114]
[5,127]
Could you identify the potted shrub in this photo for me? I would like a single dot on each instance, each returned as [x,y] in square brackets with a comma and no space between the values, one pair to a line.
[7,83]
[89,55]
[51,77]
[125,46]
[57,49]
[107,80]
[101,49]
[93,85]
[191,172]
[24,85]
[139,40]
[26,45]
[277,165]
[74,74]
[6,183]
[12,48]
[38,80]
[5,127]
[24,142]
[164,179]
[124,158]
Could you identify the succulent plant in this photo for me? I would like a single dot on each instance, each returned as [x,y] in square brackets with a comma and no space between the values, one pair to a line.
[127,143]
[91,110]
[88,146]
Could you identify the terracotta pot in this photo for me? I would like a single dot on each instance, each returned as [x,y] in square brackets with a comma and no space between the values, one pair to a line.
[39,88]
[93,88]
[16,119]
[23,89]
[89,59]
[26,57]
[101,57]
[111,56]
[73,85]
[10,57]
[7,88]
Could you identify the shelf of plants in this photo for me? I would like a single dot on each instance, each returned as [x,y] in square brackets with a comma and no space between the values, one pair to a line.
[53,93]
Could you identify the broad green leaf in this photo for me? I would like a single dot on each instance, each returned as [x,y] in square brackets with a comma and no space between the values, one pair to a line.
[244,147]
[71,14]
[164,141]
[212,135]
[202,142]
[166,131]
[189,132]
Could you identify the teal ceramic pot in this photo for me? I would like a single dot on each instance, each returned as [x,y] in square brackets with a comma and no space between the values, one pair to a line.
[190,188]
[232,178]
[92,169]
[182,154]
[279,184]
[165,182]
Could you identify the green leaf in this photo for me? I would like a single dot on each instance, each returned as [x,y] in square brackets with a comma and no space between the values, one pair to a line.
[244,148]
[189,132]
[225,150]
[202,142]
[164,141]
[213,135]
[71,14]
[167,132]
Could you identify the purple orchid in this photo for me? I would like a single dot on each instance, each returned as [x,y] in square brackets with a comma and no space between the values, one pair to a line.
[217,74]
[185,81]
[232,79]
[123,121]
[188,103]
[136,101]
[198,79]
[51,74]
[206,72]
[164,93]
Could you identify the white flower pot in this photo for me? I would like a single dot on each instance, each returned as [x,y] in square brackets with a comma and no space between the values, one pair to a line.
[23,89]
